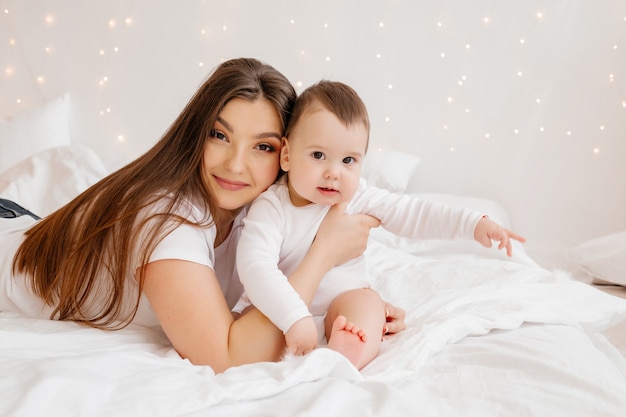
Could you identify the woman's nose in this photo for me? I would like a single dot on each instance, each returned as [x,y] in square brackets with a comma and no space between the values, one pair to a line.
[235,161]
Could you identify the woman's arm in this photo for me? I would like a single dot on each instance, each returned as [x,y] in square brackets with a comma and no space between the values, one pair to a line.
[188,301]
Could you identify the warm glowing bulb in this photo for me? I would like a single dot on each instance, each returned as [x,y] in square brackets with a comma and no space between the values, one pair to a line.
[486,20]
[327,59]
[12,42]
[381,24]
[9,71]
[112,23]
[116,49]
[128,21]
[519,73]
[541,129]
[516,131]
[201,64]
[6,11]
[451,148]
[467,46]
[40,79]
[443,54]
[224,28]
[378,56]
[569,133]
[539,15]
[450,99]
[121,138]
[445,127]
[49,19]
[522,41]
[623,103]
[101,52]
[325,25]
[299,84]
[596,150]
[602,127]
[487,135]
[292,21]
[538,100]
[18,101]
[439,24]
[387,119]
[390,86]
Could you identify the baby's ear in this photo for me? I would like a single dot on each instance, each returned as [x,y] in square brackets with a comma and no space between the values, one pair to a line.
[284,155]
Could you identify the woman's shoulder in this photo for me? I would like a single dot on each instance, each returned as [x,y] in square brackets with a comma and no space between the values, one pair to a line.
[182,206]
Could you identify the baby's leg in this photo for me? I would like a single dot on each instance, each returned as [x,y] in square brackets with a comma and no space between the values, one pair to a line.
[354,325]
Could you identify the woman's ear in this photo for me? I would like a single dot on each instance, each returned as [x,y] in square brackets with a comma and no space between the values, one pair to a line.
[284,155]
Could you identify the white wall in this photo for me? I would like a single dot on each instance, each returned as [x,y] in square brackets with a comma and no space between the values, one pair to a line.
[519,101]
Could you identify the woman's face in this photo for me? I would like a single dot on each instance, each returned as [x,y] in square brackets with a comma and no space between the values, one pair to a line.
[241,155]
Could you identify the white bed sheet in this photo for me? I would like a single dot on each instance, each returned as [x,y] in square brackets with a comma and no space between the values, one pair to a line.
[486,336]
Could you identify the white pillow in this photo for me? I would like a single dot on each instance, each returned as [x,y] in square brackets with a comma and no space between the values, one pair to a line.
[603,258]
[50,178]
[32,131]
[390,170]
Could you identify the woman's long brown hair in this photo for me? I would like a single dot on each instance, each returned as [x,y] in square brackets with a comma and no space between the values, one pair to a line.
[83,251]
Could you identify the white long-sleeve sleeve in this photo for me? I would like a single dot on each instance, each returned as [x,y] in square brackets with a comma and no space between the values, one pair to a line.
[408,216]
[275,238]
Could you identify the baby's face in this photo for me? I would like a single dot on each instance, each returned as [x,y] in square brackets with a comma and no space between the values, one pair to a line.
[324,159]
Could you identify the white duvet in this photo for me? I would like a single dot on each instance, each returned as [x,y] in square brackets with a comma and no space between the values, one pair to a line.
[486,336]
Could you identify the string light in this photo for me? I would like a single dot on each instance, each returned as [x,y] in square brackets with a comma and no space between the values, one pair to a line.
[458,103]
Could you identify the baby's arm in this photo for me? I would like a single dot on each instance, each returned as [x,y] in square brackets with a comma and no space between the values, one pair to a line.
[258,254]
[487,230]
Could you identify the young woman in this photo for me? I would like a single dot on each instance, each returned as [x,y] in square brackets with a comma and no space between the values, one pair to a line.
[154,243]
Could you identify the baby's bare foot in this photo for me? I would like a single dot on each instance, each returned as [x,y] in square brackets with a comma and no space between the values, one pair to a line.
[347,339]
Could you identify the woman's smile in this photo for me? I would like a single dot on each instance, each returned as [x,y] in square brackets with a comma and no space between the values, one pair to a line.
[230,185]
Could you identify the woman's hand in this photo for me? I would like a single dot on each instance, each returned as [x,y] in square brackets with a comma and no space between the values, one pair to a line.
[344,236]
[395,320]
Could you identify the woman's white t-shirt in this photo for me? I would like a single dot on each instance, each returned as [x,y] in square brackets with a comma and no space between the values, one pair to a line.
[186,242]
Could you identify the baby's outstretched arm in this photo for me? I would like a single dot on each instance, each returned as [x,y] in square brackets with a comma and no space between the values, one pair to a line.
[488,230]
[301,337]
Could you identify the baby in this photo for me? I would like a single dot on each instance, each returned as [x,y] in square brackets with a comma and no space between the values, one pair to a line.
[322,154]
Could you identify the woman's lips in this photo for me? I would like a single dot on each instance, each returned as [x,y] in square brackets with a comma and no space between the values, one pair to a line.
[229,184]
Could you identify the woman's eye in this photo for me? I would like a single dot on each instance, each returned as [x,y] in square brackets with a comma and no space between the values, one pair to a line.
[266,147]
[317,155]
[348,160]
[218,135]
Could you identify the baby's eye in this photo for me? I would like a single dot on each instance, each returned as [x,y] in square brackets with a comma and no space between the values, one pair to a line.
[218,135]
[318,155]
[266,147]
[349,160]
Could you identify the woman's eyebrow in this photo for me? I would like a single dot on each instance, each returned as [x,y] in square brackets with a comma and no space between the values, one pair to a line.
[225,124]
[262,135]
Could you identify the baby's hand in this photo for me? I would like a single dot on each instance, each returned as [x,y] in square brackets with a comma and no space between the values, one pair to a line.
[301,338]
[488,230]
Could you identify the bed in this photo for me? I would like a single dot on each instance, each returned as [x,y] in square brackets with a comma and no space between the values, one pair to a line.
[486,335]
